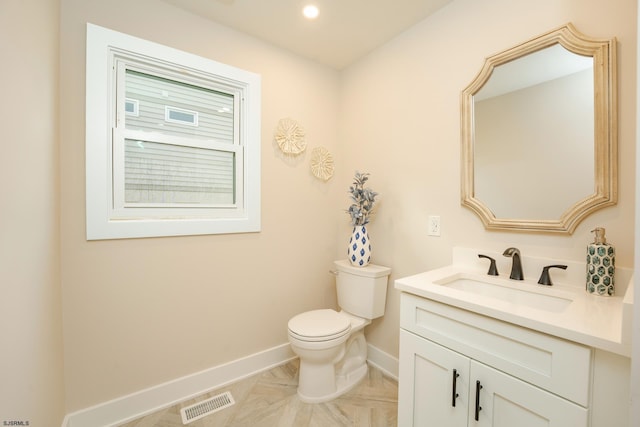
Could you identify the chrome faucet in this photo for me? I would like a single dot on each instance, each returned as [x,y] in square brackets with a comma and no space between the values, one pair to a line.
[516,266]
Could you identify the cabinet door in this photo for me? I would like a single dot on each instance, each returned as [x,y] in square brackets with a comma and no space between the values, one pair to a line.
[508,402]
[426,396]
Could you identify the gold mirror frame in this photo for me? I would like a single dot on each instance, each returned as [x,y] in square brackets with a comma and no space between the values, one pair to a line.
[603,52]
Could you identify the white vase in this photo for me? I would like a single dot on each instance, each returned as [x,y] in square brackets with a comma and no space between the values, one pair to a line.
[359,250]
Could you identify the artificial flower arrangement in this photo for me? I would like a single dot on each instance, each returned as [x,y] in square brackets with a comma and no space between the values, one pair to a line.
[364,199]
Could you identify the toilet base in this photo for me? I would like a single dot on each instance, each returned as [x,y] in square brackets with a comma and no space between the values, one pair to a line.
[329,369]
[344,383]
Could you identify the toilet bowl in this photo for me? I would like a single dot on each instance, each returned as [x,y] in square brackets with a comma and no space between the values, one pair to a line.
[331,344]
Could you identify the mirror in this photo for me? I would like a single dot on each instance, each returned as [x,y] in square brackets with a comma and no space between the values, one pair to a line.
[539,141]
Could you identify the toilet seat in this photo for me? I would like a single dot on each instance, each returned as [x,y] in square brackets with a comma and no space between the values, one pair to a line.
[319,325]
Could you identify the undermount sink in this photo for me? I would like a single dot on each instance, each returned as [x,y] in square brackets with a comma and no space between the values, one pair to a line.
[516,293]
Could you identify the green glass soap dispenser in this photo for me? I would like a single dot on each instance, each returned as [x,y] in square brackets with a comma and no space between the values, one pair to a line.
[601,257]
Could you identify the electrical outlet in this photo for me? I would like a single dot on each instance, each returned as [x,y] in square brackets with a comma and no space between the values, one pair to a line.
[434,225]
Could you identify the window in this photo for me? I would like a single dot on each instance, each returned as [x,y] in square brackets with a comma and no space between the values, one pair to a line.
[172,143]
[131,106]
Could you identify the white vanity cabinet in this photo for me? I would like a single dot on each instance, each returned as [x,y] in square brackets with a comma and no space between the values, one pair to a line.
[459,368]
[440,387]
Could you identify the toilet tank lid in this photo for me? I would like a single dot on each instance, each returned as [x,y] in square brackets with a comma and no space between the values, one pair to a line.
[370,270]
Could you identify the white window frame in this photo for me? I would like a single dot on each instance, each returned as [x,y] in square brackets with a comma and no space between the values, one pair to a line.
[107,216]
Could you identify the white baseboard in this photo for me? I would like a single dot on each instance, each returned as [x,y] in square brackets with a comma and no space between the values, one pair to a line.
[147,401]
[383,361]
[144,402]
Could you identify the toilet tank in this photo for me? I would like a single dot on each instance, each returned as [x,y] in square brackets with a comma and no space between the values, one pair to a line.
[362,291]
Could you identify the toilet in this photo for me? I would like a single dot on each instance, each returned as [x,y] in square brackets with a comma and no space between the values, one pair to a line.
[331,344]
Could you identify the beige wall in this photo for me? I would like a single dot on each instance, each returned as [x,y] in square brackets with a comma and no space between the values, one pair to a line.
[401,122]
[31,371]
[635,356]
[143,311]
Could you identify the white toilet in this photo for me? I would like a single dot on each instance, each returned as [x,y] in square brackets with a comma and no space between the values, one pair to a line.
[331,344]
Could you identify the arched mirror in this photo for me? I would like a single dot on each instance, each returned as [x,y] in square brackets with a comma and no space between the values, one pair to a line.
[539,140]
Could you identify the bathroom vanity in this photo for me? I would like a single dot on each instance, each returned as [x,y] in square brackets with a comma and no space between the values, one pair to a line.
[479,350]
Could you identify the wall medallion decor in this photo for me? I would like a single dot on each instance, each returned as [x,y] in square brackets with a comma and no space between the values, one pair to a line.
[290,137]
[322,163]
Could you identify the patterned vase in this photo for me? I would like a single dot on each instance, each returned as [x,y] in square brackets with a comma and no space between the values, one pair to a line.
[359,250]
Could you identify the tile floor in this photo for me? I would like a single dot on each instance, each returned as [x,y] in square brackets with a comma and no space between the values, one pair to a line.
[269,399]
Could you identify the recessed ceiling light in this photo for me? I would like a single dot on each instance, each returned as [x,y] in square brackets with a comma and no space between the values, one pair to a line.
[310,11]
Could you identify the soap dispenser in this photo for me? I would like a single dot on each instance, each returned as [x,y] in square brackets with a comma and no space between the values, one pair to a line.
[600,265]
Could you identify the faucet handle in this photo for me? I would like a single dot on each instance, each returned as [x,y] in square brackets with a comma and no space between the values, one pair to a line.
[545,278]
[493,270]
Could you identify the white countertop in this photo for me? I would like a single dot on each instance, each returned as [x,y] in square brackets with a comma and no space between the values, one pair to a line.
[596,321]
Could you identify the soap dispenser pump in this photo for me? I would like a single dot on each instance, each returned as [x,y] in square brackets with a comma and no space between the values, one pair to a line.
[600,265]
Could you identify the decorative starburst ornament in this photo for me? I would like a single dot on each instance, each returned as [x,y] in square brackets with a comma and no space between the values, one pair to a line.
[290,136]
[321,163]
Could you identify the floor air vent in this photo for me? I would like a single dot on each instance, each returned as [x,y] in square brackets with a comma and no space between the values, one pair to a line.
[206,407]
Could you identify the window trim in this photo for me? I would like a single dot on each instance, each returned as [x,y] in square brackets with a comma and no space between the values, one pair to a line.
[104,46]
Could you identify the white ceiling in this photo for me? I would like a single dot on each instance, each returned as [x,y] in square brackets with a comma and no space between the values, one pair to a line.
[344,31]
